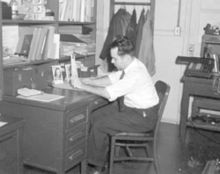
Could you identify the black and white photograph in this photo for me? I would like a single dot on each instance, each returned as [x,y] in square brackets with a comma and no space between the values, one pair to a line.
[110,87]
[57,74]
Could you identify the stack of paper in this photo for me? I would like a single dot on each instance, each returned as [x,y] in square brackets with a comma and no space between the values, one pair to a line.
[44,97]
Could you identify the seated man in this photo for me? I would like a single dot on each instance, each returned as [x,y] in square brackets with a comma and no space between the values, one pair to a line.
[131,81]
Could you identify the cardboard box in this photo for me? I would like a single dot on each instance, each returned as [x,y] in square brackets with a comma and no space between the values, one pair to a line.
[15,78]
[90,72]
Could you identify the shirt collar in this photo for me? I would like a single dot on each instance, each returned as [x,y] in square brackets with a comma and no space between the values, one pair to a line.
[132,64]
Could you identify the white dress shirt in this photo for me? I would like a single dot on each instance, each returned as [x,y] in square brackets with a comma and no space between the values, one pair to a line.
[136,86]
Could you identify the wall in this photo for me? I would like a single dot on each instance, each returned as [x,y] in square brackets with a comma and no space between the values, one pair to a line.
[167,47]
[194,15]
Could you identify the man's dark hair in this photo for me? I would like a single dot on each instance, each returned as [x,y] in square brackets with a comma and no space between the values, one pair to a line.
[125,46]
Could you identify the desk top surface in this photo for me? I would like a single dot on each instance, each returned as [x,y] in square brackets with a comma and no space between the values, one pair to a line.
[71,98]
[12,124]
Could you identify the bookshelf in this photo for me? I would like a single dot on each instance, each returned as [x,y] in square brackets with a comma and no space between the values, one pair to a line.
[84,24]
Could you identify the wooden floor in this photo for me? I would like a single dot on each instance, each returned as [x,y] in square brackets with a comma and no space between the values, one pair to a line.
[178,157]
[175,157]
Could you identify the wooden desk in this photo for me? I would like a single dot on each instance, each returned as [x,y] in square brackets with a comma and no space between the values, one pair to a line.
[194,87]
[10,146]
[55,133]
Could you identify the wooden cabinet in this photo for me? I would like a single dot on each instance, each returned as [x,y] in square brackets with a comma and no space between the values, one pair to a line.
[10,146]
[55,133]
[85,24]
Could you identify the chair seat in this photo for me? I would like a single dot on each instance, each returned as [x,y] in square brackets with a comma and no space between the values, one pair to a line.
[143,159]
[133,134]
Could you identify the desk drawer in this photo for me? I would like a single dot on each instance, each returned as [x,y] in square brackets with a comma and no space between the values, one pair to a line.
[75,135]
[76,117]
[76,155]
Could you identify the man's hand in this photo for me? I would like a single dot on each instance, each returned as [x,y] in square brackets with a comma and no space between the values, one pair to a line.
[76,83]
[86,80]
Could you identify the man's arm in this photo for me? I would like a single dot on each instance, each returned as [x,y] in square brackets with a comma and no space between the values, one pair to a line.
[98,90]
[97,81]
[95,89]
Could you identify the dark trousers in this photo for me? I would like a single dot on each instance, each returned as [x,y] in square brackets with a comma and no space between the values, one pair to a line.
[109,121]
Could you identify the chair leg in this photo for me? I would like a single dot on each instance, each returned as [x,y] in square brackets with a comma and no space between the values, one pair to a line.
[156,160]
[111,160]
[156,166]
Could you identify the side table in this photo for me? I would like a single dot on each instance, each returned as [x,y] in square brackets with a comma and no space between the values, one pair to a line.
[10,145]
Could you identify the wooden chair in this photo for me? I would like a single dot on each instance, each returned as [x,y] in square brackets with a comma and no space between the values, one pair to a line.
[147,141]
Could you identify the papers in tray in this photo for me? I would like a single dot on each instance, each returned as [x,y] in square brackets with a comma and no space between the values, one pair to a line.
[44,97]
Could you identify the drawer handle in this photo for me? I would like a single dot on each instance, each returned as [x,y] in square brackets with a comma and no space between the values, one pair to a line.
[77,118]
[76,154]
[75,137]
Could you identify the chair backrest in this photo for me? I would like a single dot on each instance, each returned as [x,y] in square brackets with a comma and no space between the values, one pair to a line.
[163,90]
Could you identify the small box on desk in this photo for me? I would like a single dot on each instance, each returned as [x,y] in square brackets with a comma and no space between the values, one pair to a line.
[89,72]
[42,76]
[32,76]
[15,78]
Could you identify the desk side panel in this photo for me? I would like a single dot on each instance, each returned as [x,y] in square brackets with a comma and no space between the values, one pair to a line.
[43,134]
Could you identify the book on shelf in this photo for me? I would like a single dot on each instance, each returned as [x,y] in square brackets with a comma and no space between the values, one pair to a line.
[76,10]
[49,45]
[34,44]
[82,11]
[24,41]
[41,47]
[41,43]
[24,45]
